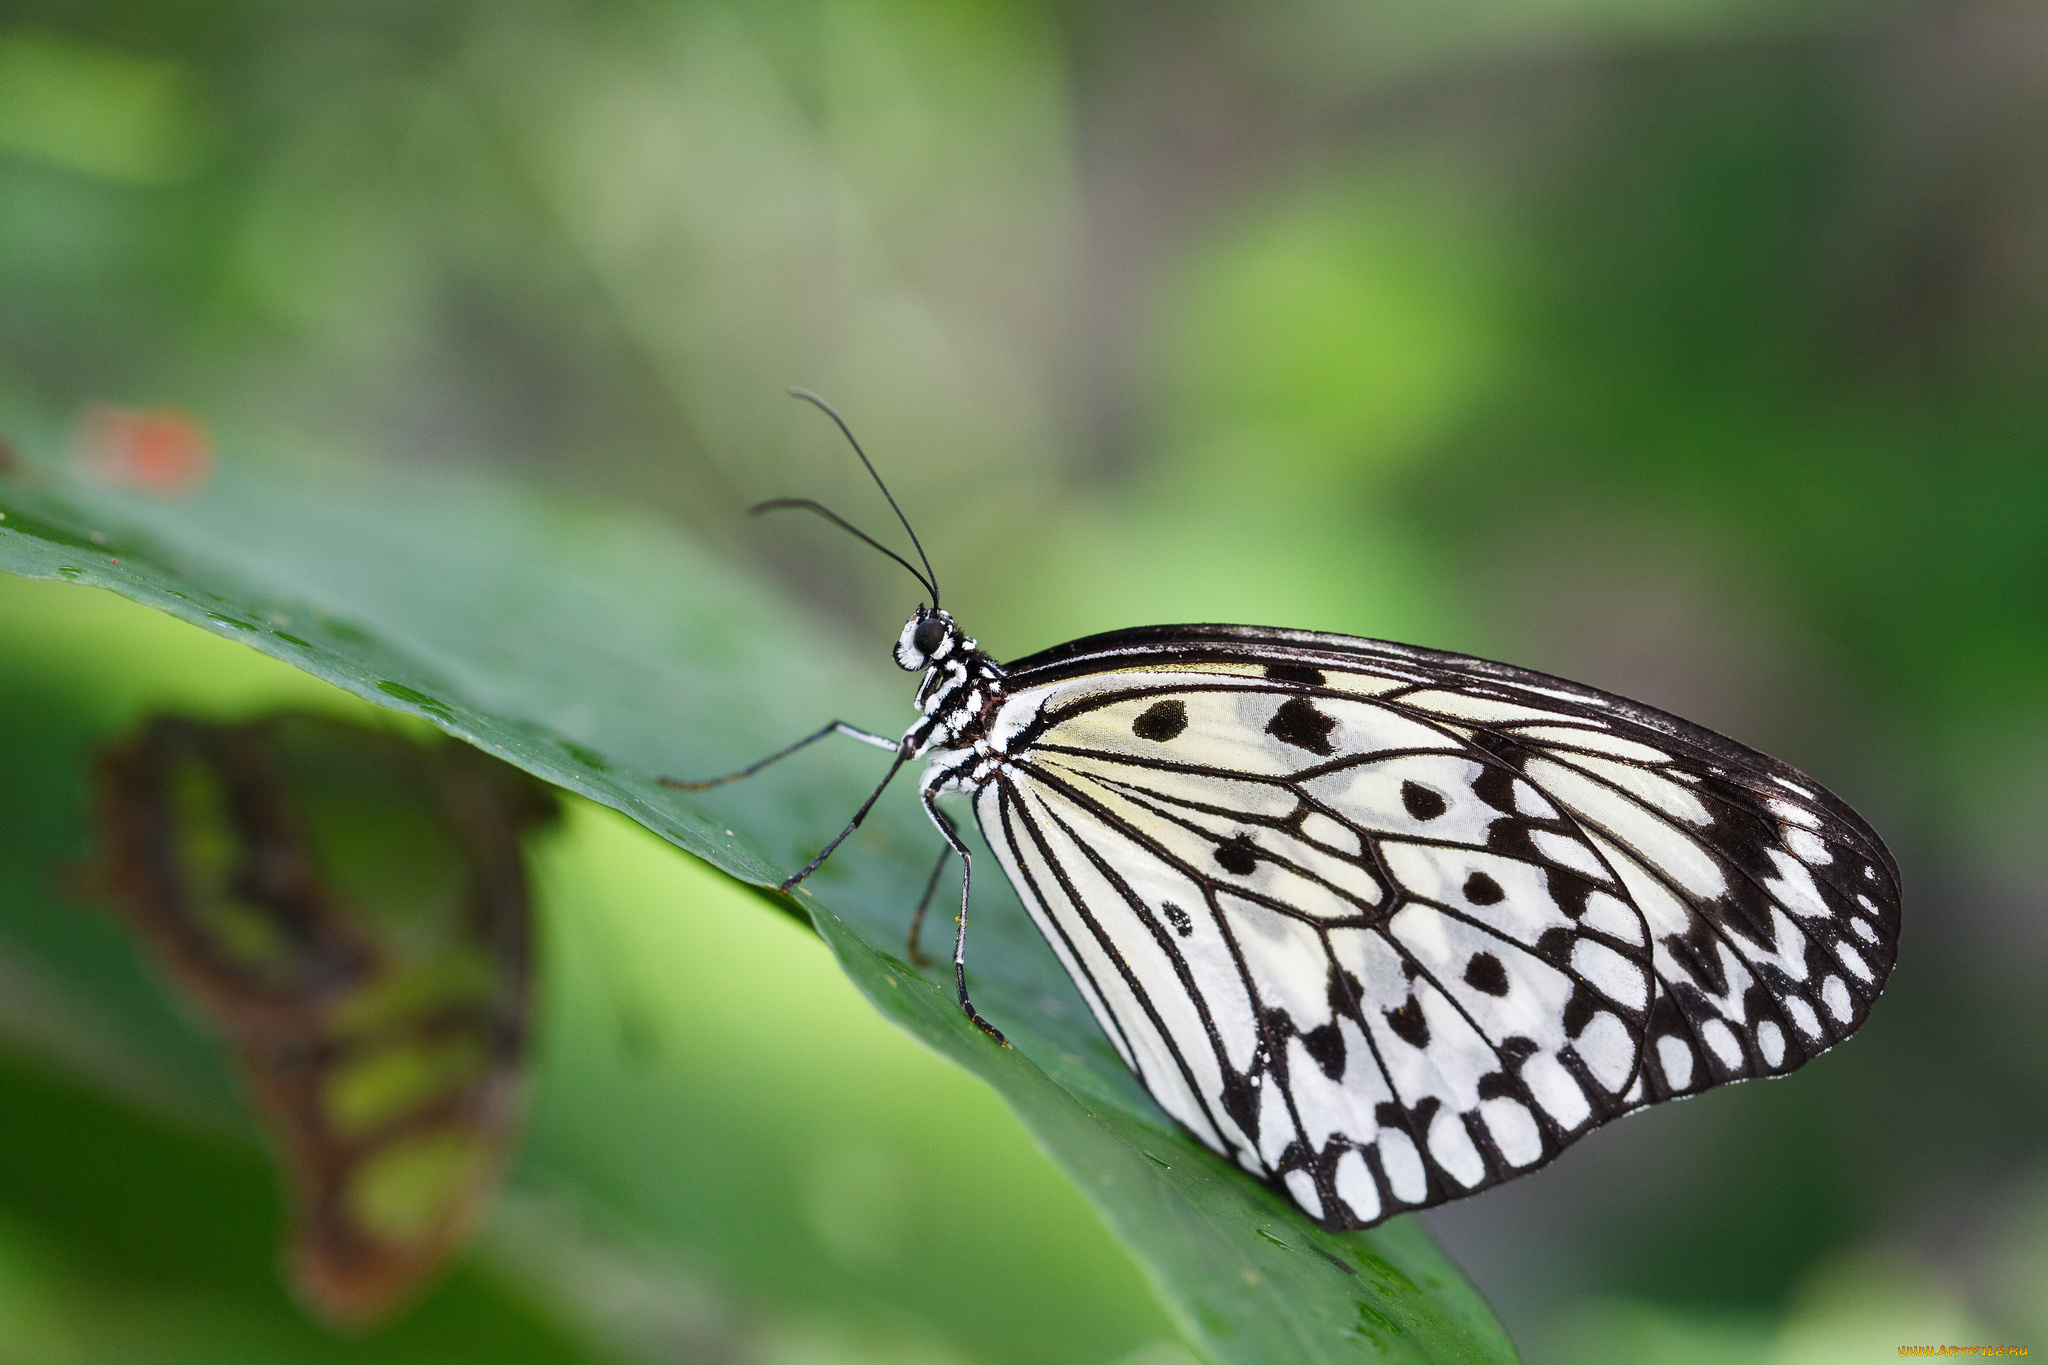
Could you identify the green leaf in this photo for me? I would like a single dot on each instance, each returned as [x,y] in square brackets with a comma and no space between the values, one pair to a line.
[600,650]
[769,1179]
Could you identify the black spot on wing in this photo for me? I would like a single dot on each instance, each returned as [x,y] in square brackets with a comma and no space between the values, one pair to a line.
[1295,673]
[1297,722]
[1241,1100]
[1178,918]
[1516,1049]
[1495,1085]
[1326,1045]
[1481,889]
[1161,721]
[1237,855]
[1422,803]
[1580,1009]
[1496,787]
[1408,1024]
[1485,973]
[1570,890]
[1346,995]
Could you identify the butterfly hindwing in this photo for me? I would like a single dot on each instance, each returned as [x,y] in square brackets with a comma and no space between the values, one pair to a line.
[1390,926]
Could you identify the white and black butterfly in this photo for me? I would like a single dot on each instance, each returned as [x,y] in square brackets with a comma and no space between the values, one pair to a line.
[1389,925]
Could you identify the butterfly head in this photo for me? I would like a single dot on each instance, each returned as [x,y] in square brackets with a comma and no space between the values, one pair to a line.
[928,638]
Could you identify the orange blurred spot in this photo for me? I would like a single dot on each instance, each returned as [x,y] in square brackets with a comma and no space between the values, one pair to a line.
[158,450]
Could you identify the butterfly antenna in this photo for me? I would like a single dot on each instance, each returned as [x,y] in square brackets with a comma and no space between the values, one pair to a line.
[928,577]
[805,504]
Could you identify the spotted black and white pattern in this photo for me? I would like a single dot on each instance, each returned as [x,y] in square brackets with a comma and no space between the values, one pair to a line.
[1387,925]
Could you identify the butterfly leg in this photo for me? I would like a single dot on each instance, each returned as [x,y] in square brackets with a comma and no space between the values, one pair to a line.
[960,938]
[814,864]
[917,957]
[837,727]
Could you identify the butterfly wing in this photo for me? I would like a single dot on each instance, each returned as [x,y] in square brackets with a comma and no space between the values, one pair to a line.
[1390,925]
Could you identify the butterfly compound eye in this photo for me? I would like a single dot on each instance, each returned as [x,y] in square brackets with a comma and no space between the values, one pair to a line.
[923,635]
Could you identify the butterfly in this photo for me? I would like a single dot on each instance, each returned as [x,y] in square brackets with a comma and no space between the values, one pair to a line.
[1386,926]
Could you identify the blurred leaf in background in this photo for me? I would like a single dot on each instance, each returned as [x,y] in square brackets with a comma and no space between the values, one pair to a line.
[103,113]
[350,910]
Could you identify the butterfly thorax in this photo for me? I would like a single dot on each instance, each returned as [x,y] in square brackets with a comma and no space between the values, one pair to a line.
[962,689]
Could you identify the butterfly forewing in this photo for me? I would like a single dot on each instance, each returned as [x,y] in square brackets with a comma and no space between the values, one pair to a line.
[1390,926]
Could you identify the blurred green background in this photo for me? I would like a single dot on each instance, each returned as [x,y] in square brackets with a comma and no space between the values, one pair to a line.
[1692,351]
